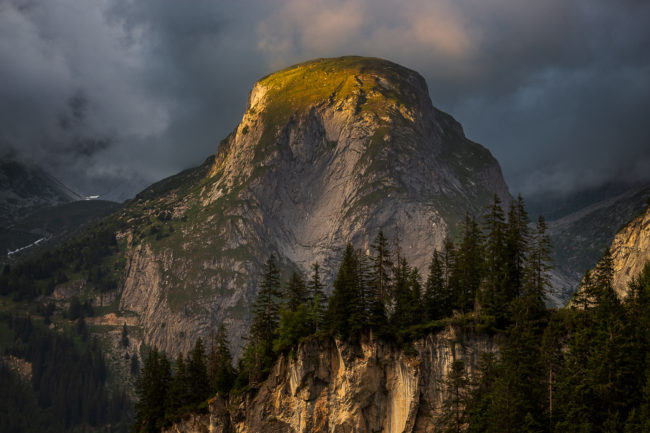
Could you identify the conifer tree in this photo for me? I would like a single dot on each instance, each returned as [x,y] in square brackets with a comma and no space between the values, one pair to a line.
[296,292]
[124,340]
[537,280]
[467,269]
[318,300]
[436,302]
[517,239]
[454,408]
[259,355]
[221,374]
[345,312]
[152,388]
[494,296]
[197,373]
[382,266]
[407,297]
[180,389]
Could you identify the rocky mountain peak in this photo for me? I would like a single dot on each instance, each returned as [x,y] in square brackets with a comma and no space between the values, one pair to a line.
[328,152]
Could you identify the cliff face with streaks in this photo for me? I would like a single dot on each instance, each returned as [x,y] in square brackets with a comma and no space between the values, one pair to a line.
[631,251]
[332,386]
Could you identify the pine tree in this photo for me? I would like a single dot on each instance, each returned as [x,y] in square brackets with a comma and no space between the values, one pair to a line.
[382,266]
[197,373]
[296,292]
[494,297]
[124,340]
[537,280]
[221,374]
[467,269]
[345,311]
[152,388]
[407,297]
[436,303]
[180,391]
[265,322]
[317,300]
[517,238]
[454,408]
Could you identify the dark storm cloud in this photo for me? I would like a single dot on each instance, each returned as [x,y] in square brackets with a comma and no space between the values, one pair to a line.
[117,93]
[558,90]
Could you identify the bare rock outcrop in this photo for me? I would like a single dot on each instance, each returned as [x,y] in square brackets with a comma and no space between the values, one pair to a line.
[631,251]
[333,386]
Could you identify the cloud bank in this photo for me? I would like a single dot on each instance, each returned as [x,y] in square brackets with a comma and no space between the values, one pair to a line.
[113,94]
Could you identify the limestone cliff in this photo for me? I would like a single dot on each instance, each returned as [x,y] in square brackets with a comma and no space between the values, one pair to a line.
[333,386]
[327,152]
[631,251]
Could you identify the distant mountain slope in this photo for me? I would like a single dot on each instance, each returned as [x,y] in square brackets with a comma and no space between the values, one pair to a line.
[25,186]
[37,210]
[50,224]
[580,237]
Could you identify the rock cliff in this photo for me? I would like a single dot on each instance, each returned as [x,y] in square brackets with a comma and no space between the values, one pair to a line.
[580,237]
[327,152]
[331,386]
[631,251]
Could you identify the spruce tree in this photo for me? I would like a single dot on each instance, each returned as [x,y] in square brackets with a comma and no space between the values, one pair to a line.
[345,311]
[180,390]
[382,266]
[265,322]
[454,407]
[517,238]
[407,297]
[494,297]
[296,292]
[436,303]
[537,280]
[221,374]
[152,388]
[197,373]
[467,269]
[124,339]
[317,300]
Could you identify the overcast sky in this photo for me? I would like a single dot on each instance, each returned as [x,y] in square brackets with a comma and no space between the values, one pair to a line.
[110,95]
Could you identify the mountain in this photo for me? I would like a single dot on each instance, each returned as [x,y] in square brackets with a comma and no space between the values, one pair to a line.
[47,226]
[580,237]
[328,152]
[25,186]
[37,210]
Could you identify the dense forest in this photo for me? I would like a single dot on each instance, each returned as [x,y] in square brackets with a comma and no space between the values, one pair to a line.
[66,387]
[583,368]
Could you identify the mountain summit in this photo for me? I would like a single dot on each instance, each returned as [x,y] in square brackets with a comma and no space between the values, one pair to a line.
[328,152]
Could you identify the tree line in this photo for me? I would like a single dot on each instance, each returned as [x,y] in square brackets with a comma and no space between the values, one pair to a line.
[584,368]
[166,393]
[578,369]
[67,389]
[498,264]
